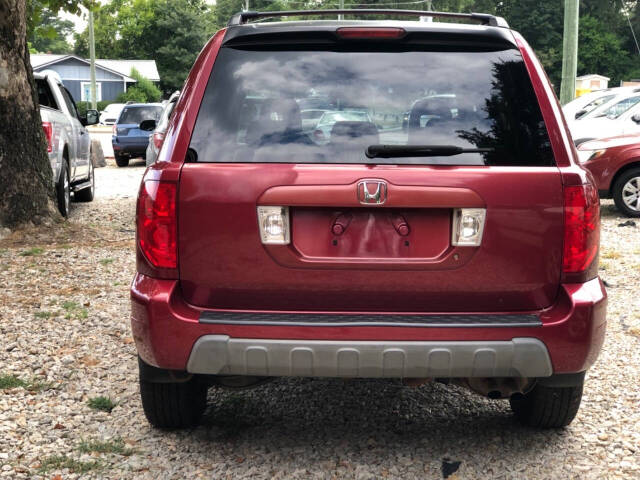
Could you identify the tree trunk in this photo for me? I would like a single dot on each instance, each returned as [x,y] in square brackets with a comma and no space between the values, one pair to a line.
[26,179]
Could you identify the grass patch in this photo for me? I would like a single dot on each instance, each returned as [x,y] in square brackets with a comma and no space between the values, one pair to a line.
[59,462]
[11,381]
[106,261]
[104,404]
[74,310]
[42,314]
[31,252]
[115,445]
[611,255]
[33,385]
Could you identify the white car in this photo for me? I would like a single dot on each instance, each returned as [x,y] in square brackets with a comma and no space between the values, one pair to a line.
[589,101]
[111,113]
[621,118]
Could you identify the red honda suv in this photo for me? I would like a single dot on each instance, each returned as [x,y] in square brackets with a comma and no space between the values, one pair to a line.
[462,248]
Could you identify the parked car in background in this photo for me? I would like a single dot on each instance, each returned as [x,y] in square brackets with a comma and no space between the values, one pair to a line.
[615,165]
[310,118]
[583,105]
[110,113]
[128,140]
[613,119]
[160,129]
[324,127]
[463,251]
[68,143]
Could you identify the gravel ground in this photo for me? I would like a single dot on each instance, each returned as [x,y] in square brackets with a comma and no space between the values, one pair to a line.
[66,340]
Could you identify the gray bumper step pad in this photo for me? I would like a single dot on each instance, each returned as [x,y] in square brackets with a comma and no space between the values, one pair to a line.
[224,355]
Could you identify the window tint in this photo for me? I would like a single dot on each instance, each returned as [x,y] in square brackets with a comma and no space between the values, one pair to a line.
[71,106]
[139,114]
[45,96]
[253,107]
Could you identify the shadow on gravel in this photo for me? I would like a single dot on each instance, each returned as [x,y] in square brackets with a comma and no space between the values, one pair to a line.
[364,418]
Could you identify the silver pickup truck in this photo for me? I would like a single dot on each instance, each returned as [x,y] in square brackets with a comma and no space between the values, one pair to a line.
[68,143]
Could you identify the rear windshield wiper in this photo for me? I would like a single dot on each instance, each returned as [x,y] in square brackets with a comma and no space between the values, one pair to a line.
[398,151]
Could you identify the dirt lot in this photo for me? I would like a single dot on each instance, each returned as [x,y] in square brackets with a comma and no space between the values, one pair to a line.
[67,358]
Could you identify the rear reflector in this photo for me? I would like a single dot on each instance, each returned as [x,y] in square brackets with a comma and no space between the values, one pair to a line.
[158,139]
[156,222]
[581,227]
[375,33]
[48,134]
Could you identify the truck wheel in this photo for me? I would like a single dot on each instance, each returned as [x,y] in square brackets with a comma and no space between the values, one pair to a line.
[626,193]
[63,190]
[86,194]
[547,407]
[121,161]
[173,405]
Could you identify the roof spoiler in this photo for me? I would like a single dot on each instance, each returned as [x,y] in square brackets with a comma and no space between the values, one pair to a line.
[483,18]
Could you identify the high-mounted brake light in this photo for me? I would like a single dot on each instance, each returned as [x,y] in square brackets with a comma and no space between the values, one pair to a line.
[157,223]
[48,134]
[581,227]
[374,33]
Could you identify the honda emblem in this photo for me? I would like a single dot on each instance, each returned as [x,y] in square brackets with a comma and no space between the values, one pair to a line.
[372,192]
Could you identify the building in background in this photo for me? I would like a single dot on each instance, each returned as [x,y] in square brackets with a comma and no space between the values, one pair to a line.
[112,76]
[591,83]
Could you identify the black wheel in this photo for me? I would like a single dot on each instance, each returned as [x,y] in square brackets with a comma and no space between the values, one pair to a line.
[63,190]
[86,194]
[173,405]
[626,192]
[121,161]
[547,407]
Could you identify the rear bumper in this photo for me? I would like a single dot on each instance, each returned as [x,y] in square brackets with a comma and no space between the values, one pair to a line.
[137,147]
[171,334]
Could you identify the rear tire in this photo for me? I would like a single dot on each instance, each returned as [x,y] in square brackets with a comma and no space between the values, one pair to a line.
[121,161]
[173,405]
[547,407]
[626,188]
[63,190]
[86,194]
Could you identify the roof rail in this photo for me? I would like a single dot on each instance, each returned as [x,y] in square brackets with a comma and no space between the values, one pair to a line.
[483,18]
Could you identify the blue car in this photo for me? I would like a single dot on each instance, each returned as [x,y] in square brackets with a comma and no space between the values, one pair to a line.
[128,140]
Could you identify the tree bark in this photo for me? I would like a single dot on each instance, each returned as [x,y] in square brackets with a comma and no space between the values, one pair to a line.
[26,179]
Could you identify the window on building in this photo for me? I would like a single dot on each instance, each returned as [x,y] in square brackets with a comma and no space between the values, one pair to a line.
[85,91]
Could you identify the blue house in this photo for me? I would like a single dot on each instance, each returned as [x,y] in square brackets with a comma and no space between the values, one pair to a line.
[112,76]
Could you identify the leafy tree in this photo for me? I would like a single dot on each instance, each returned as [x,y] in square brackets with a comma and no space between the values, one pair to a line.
[50,36]
[142,92]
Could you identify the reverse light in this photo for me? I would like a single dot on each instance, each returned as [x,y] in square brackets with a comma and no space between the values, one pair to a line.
[374,33]
[581,227]
[468,227]
[48,134]
[157,223]
[273,223]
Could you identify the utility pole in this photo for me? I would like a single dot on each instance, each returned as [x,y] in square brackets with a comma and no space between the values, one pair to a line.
[340,16]
[570,51]
[92,60]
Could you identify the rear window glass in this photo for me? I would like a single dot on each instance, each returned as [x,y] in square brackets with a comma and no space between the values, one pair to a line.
[139,114]
[45,96]
[297,106]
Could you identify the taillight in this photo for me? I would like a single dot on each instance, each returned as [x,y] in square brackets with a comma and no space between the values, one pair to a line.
[158,138]
[371,33]
[581,227]
[48,134]
[114,130]
[157,223]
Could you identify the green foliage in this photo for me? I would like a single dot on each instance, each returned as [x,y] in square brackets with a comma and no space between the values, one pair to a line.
[59,462]
[32,252]
[103,404]
[84,106]
[8,381]
[115,445]
[50,35]
[143,91]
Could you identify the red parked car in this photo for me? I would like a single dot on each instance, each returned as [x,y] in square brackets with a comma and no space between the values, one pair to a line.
[463,248]
[615,165]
